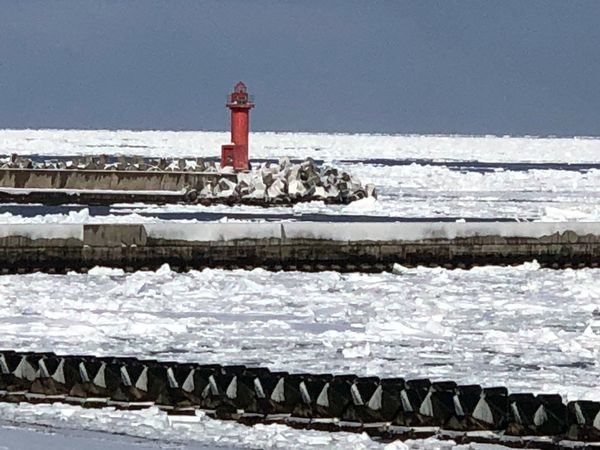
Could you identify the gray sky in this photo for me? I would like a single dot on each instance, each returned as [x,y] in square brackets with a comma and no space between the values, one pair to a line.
[448,66]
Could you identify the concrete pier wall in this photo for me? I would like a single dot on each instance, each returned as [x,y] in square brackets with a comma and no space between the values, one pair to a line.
[295,246]
[126,180]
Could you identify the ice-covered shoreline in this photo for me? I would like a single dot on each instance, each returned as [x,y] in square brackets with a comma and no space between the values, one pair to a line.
[154,426]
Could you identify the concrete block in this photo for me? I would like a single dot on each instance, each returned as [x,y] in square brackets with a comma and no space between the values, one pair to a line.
[313,390]
[583,421]
[55,376]
[366,405]
[412,397]
[336,396]
[114,235]
[539,415]
[491,411]
[465,400]
[438,406]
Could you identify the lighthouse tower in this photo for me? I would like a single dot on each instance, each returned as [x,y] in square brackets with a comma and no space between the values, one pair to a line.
[240,104]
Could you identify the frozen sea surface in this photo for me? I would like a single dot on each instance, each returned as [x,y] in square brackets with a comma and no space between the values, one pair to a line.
[328,146]
[528,328]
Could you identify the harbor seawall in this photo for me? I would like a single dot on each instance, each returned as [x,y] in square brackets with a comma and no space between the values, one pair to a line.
[296,245]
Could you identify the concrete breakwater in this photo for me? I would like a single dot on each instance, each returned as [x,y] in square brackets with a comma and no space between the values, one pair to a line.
[131,181]
[390,408]
[104,187]
[125,180]
[341,246]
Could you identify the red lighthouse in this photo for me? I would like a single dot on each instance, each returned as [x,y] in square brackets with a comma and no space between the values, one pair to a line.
[240,104]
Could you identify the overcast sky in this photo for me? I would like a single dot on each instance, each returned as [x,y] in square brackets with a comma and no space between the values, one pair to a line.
[498,67]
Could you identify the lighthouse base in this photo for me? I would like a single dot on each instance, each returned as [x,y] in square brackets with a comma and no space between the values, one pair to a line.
[234,155]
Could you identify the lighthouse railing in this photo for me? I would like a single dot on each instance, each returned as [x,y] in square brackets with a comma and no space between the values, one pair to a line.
[235,100]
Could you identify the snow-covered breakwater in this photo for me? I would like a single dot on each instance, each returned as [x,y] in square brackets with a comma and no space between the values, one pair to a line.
[135,179]
[297,245]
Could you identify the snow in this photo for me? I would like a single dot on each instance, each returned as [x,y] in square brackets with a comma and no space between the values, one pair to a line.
[46,231]
[354,231]
[200,433]
[332,231]
[19,436]
[399,231]
[301,145]
[528,328]
[83,216]
[73,218]
[208,232]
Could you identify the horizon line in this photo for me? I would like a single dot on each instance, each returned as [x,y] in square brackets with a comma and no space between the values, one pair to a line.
[308,132]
